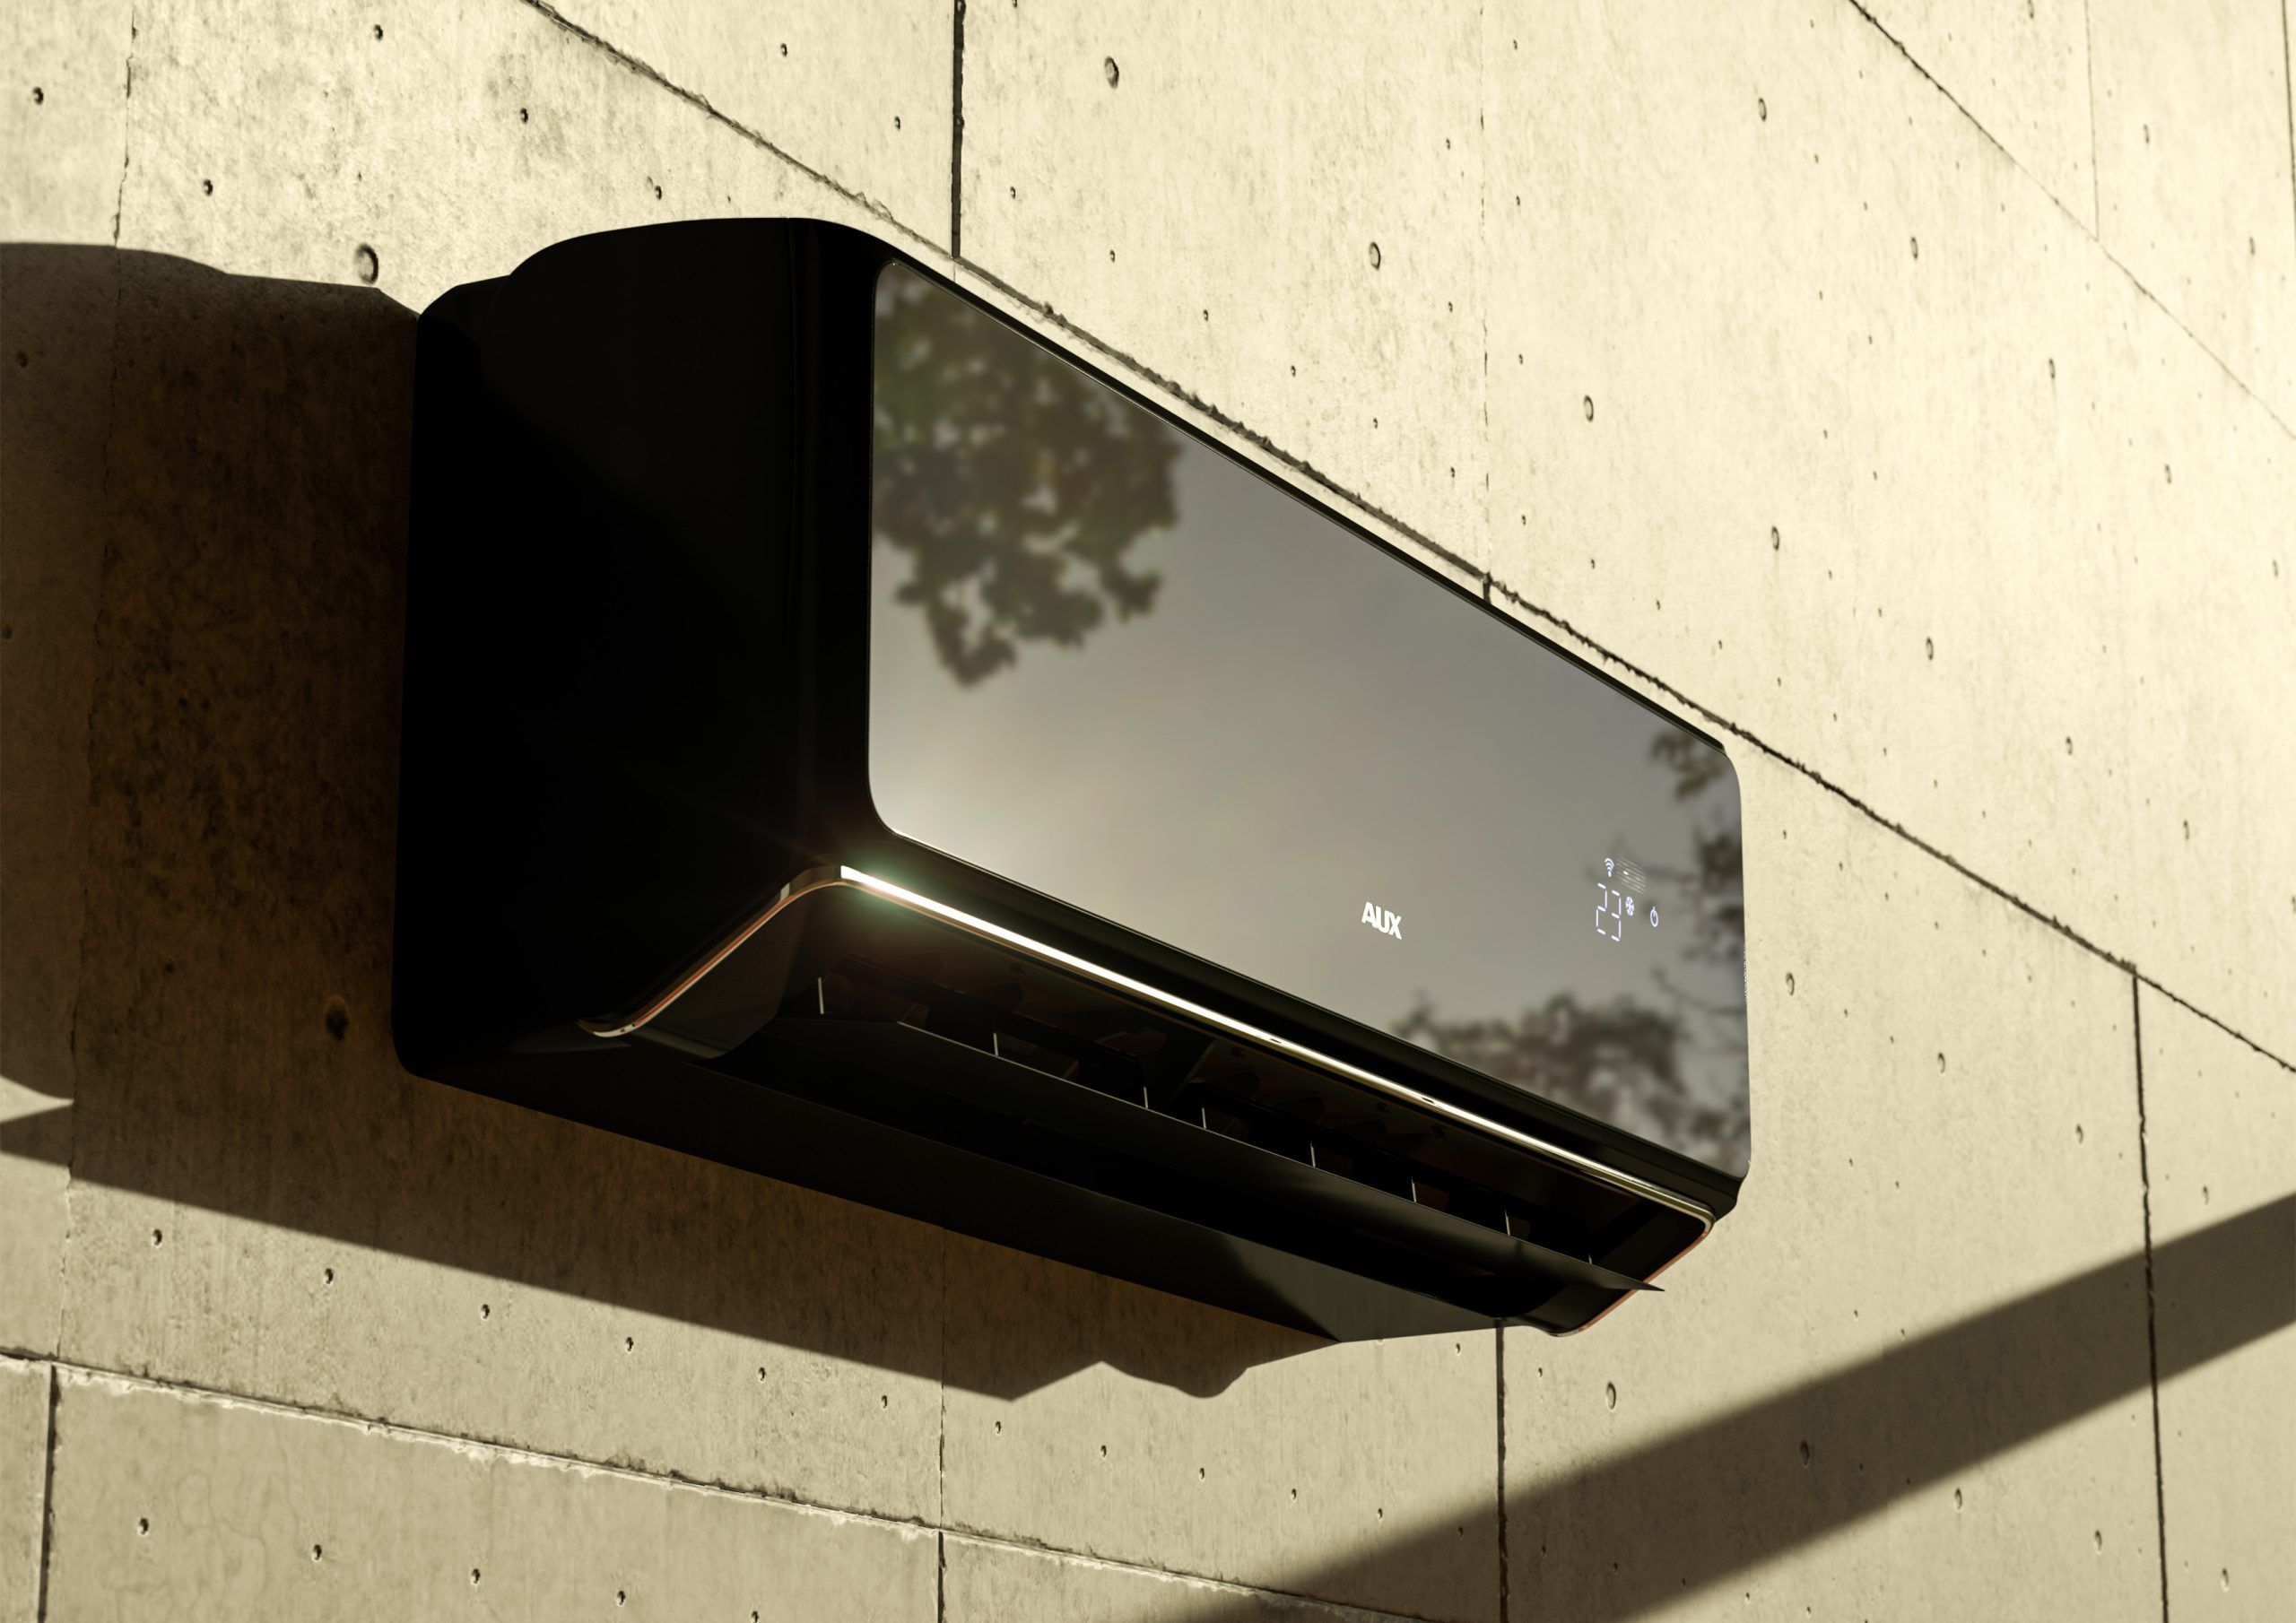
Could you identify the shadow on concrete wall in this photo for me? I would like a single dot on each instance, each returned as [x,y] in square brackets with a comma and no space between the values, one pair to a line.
[1626,1532]
[51,477]
[228,456]
[217,468]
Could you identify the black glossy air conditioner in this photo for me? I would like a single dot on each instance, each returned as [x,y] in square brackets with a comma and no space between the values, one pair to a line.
[848,737]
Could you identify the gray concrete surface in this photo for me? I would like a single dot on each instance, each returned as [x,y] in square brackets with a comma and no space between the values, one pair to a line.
[2193,155]
[862,95]
[2223,1121]
[993,1583]
[23,1485]
[1192,1439]
[1939,457]
[64,120]
[2010,496]
[1305,260]
[2022,75]
[53,416]
[262,1202]
[1917,1117]
[180,1506]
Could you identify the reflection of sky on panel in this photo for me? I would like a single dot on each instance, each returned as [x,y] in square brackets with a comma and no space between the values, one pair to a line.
[1297,727]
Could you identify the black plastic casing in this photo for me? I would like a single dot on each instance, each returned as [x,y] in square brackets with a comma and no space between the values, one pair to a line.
[637,710]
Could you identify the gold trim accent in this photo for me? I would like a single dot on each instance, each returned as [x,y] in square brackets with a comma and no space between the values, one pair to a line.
[824,878]
[803,885]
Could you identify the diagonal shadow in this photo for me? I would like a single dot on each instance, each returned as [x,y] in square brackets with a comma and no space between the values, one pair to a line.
[217,465]
[1620,1535]
[233,1055]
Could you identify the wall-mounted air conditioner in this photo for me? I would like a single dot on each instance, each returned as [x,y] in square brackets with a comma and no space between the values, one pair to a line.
[848,737]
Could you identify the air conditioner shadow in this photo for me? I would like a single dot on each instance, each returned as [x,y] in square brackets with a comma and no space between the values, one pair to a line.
[216,468]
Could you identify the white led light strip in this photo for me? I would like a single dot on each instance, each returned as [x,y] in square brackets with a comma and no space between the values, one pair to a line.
[822,879]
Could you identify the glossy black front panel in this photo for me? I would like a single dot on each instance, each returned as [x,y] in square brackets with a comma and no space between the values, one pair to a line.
[1108,663]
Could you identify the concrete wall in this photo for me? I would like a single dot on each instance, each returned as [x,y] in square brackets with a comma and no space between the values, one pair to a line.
[1904,390]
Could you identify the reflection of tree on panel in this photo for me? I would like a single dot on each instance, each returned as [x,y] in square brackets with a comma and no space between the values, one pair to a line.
[1615,1062]
[1710,884]
[1622,1061]
[1014,483]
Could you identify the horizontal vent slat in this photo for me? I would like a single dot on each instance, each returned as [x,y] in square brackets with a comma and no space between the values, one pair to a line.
[1250,1098]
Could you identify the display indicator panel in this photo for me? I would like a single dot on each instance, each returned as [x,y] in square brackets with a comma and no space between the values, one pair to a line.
[1111,663]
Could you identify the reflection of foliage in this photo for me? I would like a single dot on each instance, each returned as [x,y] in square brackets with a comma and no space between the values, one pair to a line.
[1014,482]
[1696,766]
[1616,1061]
[1711,884]
[1621,1061]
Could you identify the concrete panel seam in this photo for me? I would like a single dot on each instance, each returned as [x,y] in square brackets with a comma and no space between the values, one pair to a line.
[2096,234]
[87,870]
[1268,447]
[957,129]
[1195,403]
[47,1503]
[2195,1010]
[1260,441]
[2089,64]
[126,145]
[62,1369]
[694,99]
[2126,965]
[2288,83]
[1975,123]
[2152,1312]
[193,1390]
[647,70]
[1483,241]
[1339,1609]
[1482,234]
[1275,453]
[497,1444]
[1498,1359]
[1038,1547]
